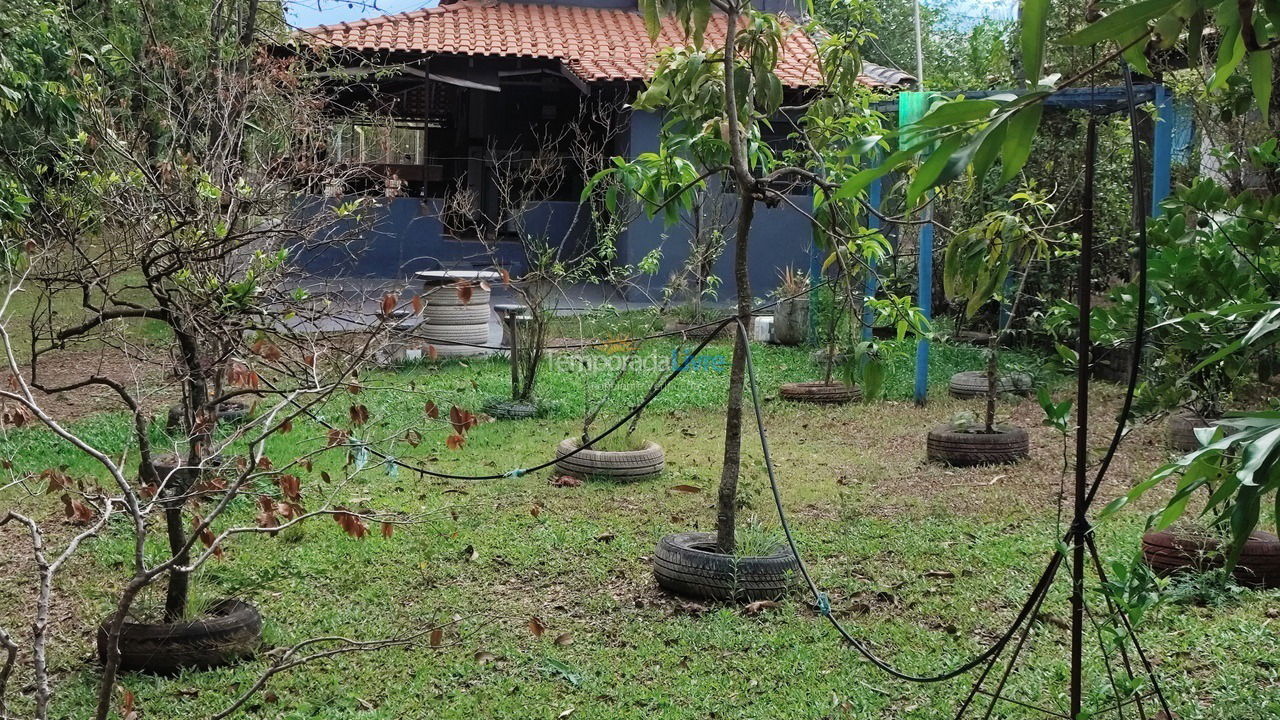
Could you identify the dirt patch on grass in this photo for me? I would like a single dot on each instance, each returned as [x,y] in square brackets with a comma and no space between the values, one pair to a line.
[142,371]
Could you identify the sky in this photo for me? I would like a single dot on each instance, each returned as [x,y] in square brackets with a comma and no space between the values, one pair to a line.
[309,13]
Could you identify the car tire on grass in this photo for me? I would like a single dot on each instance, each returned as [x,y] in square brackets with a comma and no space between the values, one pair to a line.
[973,383]
[688,564]
[1182,430]
[620,465]
[836,393]
[949,445]
[1168,552]
[232,631]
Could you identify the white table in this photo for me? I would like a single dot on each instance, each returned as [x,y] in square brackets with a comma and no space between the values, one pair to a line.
[444,277]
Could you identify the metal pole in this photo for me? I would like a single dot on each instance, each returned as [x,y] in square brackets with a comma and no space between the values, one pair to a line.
[915,10]
[924,291]
[873,221]
[1079,536]
[1162,148]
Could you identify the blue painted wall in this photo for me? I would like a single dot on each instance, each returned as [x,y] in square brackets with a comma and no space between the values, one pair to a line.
[405,235]
[780,236]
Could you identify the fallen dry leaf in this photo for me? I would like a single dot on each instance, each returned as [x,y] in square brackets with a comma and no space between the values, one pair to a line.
[686,489]
[759,606]
[564,639]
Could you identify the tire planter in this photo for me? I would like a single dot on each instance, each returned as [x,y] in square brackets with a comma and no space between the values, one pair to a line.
[452,326]
[973,337]
[1182,431]
[836,393]
[688,564]
[1111,364]
[168,466]
[973,383]
[230,411]
[692,331]
[791,321]
[946,444]
[1168,552]
[511,409]
[620,465]
[819,357]
[231,632]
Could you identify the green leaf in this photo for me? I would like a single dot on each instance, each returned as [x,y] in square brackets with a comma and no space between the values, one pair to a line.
[1017,140]
[1195,37]
[1260,75]
[992,138]
[1258,453]
[652,20]
[1119,22]
[1034,15]
[859,182]
[931,169]
[1231,51]
[956,112]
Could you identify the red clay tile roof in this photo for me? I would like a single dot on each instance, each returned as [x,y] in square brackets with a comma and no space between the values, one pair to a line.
[595,44]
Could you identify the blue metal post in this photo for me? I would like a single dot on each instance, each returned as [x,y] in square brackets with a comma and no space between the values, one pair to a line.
[924,265]
[1162,151]
[815,277]
[873,222]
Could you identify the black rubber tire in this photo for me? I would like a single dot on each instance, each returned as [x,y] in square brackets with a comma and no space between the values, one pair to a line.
[973,383]
[620,465]
[836,393]
[1006,445]
[508,409]
[1182,431]
[698,334]
[232,632]
[972,337]
[168,466]
[686,564]
[1168,552]
[1111,364]
[230,412]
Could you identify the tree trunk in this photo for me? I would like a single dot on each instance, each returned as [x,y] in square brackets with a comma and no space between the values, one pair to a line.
[175,599]
[992,372]
[727,505]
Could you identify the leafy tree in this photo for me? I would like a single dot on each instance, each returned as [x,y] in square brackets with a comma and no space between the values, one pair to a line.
[717,103]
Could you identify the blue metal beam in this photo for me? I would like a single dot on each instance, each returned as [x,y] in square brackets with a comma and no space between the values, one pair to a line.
[873,222]
[924,300]
[1162,151]
[1099,99]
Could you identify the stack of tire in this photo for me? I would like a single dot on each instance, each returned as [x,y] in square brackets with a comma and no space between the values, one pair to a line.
[454,326]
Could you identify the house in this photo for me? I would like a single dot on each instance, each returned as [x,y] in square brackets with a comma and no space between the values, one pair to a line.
[469,81]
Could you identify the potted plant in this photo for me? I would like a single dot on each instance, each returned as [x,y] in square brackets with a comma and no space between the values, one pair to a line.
[185,222]
[1225,471]
[791,313]
[1212,259]
[1111,329]
[715,103]
[622,455]
[976,266]
[549,265]
[846,374]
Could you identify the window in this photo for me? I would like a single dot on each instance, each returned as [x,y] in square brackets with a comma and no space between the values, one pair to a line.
[366,144]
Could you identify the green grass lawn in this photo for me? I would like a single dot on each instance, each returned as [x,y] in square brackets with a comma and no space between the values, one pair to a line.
[926,564]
